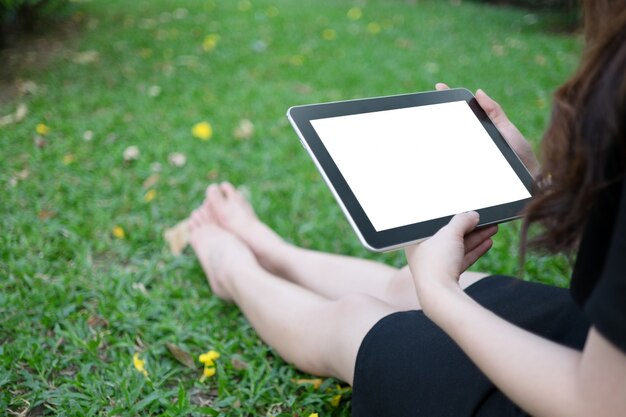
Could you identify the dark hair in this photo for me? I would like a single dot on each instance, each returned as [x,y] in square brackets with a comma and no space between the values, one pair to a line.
[584,147]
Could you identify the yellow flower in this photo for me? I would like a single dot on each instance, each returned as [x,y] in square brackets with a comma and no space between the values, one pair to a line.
[209,357]
[354,13]
[373,28]
[118,232]
[329,34]
[149,196]
[314,415]
[296,60]
[335,400]
[68,159]
[42,129]
[210,42]
[202,130]
[208,372]
[139,364]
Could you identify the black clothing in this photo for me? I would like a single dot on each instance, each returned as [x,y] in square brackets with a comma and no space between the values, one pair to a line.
[599,279]
[407,366]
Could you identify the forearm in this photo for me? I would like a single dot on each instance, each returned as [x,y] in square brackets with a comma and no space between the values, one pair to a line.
[537,374]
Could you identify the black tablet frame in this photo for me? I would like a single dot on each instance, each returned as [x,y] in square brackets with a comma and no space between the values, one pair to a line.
[384,240]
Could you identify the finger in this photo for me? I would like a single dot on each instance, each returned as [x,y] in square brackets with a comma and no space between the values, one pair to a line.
[441,86]
[475,238]
[475,254]
[463,223]
[492,108]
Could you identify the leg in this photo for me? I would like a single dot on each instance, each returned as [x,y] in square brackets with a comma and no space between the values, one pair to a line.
[317,335]
[341,275]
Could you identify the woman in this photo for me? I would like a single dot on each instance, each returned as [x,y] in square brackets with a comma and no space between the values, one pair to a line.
[432,339]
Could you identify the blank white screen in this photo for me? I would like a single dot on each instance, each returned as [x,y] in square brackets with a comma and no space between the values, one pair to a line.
[420,163]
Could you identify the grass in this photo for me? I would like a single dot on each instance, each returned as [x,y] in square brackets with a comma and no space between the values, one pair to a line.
[76,302]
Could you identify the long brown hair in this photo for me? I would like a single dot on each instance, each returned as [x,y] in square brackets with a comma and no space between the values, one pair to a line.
[584,147]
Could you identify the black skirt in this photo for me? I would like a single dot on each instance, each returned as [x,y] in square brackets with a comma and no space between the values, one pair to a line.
[407,366]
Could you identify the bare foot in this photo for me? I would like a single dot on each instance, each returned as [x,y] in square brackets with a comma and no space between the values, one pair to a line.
[235,214]
[220,253]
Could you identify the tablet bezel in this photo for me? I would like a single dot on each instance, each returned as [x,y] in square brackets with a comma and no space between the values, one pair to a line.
[385,240]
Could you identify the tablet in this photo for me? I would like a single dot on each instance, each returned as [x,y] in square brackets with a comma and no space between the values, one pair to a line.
[401,166]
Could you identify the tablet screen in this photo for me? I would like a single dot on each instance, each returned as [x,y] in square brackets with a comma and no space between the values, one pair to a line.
[415,164]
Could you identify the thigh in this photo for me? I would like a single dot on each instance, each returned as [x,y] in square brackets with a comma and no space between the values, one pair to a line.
[407,366]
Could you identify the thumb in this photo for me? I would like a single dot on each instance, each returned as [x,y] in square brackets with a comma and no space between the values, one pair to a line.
[463,223]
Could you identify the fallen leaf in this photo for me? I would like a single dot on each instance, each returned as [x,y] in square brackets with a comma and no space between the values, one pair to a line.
[23,174]
[46,214]
[7,120]
[40,142]
[181,356]
[151,180]
[213,174]
[315,382]
[149,196]
[154,91]
[177,159]
[97,321]
[28,87]
[131,153]
[238,364]
[177,237]
[139,286]
[244,130]
[87,57]
[20,112]
[68,159]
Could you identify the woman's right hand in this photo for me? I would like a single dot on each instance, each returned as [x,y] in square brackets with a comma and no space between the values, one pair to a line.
[508,130]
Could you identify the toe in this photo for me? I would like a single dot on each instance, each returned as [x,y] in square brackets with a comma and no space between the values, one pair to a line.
[208,191]
[194,219]
[215,195]
[228,189]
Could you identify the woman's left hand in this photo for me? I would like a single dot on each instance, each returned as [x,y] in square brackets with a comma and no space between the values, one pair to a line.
[437,263]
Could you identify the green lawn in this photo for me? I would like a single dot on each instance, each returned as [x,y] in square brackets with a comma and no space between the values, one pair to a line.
[78,300]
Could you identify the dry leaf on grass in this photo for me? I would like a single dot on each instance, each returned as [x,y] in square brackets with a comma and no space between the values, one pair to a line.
[18,116]
[244,130]
[177,237]
[87,57]
[181,356]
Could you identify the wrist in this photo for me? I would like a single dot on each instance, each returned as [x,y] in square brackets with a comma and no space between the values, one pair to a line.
[442,300]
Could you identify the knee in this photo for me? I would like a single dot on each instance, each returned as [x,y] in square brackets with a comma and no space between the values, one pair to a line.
[400,291]
[350,305]
[336,333]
